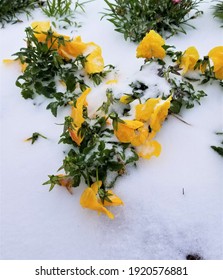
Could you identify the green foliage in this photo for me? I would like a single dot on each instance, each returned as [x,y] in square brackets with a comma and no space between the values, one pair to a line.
[218,149]
[184,93]
[10,10]
[35,137]
[135,18]
[99,156]
[45,67]
[218,10]
[63,11]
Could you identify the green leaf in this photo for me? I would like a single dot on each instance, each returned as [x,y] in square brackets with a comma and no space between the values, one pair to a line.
[219,150]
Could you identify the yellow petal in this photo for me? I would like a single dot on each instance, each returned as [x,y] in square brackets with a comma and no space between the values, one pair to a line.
[77,116]
[74,136]
[94,63]
[149,149]
[126,132]
[10,61]
[96,186]
[159,115]
[77,111]
[151,46]
[144,111]
[189,59]
[216,55]
[140,136]
[89,200]
[40,27]
[115,200]
[73,48]
[112,82]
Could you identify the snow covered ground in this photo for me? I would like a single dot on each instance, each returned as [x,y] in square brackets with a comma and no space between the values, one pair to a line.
[173,203]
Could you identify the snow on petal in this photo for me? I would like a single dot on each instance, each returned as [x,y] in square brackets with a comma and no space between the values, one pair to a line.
[216,55]
[189,59]
[159,114]
[144,111]
[149,149]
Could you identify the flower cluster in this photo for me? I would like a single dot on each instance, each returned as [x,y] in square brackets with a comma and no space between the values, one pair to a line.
[70,48]
[50,57]
[153,46]
[105,142]
[211,64]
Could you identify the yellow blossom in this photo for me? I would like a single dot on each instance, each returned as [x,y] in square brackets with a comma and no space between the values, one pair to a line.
[71,48]
[77,116]
[95,61]
[216,55]
[151,46]
[131,131]
[144,111]
[89,199]
[159,114]
[149,149]
[189,59]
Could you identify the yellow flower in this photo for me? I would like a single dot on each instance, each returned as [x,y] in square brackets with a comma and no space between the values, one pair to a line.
[189,59]
[144,111]
[71,48]
[216,55]
[95,61]
[77,116]
[90,200]
[149,149]
[151,46]
[159,114]
[132,132]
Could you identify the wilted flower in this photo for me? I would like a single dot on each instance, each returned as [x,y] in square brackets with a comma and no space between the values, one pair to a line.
[89,199]
[71,48]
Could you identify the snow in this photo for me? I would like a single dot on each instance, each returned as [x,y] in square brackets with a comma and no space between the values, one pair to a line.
[172,204]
